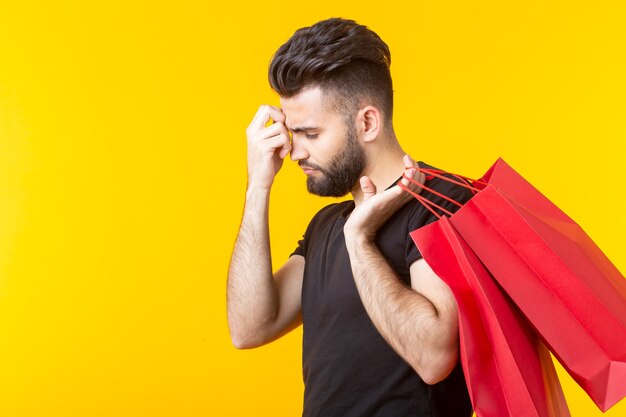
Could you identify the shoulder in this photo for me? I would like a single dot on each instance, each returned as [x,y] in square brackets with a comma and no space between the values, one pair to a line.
[333,211]
[329,214]
[321,222]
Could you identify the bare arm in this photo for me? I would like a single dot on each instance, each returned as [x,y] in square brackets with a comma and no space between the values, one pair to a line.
[261,306]
[421,322]
[421,326]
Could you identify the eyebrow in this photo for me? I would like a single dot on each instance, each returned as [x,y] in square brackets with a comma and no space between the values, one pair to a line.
[302,129]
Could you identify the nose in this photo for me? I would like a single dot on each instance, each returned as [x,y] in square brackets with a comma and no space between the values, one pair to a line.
[298,150]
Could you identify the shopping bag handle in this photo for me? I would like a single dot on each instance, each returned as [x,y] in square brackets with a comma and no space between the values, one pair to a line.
[425,202]
[437,173]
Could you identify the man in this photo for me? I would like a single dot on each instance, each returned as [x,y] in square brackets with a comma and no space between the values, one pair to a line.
[380,328]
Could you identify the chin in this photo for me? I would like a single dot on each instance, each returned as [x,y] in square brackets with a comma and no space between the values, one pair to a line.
[314,187]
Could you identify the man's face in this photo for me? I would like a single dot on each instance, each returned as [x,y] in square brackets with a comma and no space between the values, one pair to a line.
[325,146]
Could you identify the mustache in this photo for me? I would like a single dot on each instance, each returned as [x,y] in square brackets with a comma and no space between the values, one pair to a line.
[307,164]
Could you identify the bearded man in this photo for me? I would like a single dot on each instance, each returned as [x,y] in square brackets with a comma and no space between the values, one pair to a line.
[380,329]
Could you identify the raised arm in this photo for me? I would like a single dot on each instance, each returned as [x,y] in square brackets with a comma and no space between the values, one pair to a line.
[261,305]
[419,323]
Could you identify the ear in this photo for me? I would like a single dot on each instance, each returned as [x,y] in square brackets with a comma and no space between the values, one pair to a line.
[369,123]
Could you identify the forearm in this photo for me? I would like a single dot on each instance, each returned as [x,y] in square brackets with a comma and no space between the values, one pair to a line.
[252,296]
[408,321]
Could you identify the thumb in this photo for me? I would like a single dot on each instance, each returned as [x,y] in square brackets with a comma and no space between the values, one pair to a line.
[368,188]
[408,161]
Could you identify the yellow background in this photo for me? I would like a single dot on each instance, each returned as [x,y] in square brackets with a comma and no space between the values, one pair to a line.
[122,176]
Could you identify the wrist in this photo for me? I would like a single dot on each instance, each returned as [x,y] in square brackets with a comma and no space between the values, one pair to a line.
[259,181]
[257,189]
[358,241]
[257,197]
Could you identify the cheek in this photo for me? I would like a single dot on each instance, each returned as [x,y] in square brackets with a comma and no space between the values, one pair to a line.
[331,146]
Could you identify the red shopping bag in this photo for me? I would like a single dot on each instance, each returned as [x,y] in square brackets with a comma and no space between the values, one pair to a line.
[561,281]
[508,371]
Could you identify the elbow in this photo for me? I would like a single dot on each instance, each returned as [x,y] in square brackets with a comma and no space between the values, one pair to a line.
[432,377]
[238,340]
[242,343]
[242,340]
[437,368]
[248,335]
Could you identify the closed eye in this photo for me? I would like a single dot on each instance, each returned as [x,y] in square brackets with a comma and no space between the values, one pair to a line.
[309,132]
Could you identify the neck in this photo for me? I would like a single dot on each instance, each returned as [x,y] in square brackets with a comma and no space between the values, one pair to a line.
[384,167]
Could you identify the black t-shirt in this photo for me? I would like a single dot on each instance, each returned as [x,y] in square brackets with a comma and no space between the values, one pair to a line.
[349,370]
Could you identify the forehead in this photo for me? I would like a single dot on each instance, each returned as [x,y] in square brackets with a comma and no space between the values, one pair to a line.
[307,108]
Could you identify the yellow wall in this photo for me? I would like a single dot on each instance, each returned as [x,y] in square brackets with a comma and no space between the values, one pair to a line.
[122,175]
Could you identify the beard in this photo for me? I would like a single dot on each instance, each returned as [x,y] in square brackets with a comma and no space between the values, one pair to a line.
[342,173]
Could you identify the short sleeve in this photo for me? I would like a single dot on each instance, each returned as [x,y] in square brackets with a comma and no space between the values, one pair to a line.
[300,248]
[306,238]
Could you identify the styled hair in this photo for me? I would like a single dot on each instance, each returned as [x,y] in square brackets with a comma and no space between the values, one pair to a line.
[349,62]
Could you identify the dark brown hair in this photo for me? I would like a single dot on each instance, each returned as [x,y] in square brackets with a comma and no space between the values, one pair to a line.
[343,58]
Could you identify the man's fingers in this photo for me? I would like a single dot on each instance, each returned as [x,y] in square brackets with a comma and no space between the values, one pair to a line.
[368,188]
[261,134]
[272,130]
[410,173]
[284,151]
[421,178]
[416,176]
[264,114]
[408,161]
[279,141]
[285,138]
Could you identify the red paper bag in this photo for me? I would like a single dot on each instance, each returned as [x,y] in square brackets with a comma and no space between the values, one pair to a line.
[507,369]
[562,282]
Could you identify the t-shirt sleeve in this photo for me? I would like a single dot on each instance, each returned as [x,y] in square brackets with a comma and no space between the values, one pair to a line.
[303,243]
[300,248]
[422,216]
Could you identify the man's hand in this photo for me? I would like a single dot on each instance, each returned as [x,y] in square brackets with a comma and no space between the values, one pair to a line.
[376,209]
[267,146]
